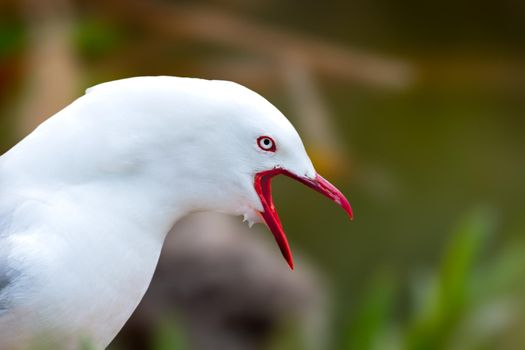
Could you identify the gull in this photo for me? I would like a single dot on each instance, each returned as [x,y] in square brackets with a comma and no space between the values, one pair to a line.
[87,199]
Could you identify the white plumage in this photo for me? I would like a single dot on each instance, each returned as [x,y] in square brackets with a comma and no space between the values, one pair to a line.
[87,199]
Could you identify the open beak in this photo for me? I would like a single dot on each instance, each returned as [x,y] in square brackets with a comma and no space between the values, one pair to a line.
[263,188]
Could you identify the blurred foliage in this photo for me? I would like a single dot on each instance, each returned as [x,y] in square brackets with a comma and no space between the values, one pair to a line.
[372,315]
[169,336]
[12,37]
[95,39]
[446,297]
[464,303]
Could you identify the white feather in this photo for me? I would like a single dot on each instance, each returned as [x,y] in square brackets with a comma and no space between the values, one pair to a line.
[87,199]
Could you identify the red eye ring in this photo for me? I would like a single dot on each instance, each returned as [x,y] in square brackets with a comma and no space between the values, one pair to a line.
[266,143]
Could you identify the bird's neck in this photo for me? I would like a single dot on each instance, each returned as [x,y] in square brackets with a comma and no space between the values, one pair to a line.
[105,208]
[109,232]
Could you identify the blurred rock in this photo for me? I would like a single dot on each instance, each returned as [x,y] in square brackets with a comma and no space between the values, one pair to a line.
[229,289]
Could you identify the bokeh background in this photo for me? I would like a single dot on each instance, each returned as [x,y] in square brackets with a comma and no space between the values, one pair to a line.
[415,109]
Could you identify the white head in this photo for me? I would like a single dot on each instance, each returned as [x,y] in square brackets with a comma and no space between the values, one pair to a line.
[197,144]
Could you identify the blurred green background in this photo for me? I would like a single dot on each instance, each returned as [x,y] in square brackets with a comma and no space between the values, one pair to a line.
[416,110]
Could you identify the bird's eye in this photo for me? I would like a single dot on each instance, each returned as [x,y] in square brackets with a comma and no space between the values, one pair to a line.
[266,143]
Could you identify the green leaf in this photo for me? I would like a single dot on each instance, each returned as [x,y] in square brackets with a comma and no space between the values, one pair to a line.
[448,298]
[373,315]
[168,336]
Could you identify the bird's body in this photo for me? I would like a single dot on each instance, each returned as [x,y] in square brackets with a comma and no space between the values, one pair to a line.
[87,199]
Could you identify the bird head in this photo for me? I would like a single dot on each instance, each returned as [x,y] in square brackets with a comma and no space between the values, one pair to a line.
[182,143]
[253,143]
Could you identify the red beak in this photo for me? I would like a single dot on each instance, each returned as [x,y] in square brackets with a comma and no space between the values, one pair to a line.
[263,188]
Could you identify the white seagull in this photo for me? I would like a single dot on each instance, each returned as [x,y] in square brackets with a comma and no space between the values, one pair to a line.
[87,199]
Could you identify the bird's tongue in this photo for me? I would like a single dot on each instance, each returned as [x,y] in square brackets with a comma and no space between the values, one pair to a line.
[263,187]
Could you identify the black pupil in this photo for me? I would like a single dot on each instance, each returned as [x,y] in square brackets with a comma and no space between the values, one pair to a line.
[266,142]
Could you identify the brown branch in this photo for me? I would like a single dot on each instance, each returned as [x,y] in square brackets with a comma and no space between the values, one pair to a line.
[52,68]
[209,25]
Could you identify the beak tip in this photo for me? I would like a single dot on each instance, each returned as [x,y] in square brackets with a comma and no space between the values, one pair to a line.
[326,188]
[287,254]
[351,214]
[348,209]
